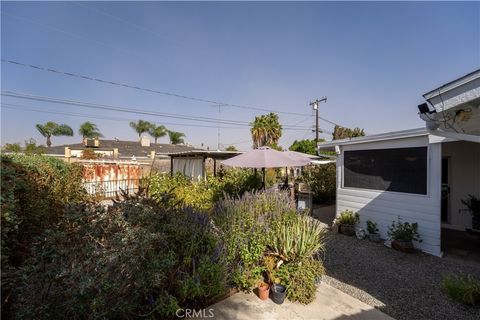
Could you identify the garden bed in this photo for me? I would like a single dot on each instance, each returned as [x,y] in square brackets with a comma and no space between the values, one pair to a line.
[404,286]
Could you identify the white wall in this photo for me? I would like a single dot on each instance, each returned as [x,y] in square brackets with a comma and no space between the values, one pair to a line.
[464,179]
[385,206]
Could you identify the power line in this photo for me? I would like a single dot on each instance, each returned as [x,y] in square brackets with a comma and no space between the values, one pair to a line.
[131,110]
[26,108]
[155,91]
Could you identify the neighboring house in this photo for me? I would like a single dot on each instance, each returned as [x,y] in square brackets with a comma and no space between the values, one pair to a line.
[120,149]
[419,175]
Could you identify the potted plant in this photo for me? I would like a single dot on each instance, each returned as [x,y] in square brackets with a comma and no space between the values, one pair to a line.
[403,235]
[263,290]
[347,221]
[274,273]
[372,231]
[279,293]
[473,205]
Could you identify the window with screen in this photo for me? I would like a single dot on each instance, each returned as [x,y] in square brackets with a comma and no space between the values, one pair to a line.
[399,170]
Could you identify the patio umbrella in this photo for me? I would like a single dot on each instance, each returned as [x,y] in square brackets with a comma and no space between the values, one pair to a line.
[299,156]
[264,157]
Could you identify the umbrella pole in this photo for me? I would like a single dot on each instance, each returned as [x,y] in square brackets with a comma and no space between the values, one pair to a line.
[264,185]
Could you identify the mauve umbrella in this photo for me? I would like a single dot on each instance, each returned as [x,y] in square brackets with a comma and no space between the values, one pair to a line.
[299,156]
[264,157]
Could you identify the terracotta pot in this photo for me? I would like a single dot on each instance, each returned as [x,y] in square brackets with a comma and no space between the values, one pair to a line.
[347,229]
[263,291]
[403,246]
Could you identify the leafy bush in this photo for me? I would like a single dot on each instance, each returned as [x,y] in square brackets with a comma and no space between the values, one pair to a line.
[34,190]
[301,278]
[202,195]
[464,289]
[347,217]
[372,227]
[136,259]
[234,182]
[404,231]
[184,193]
[322,181]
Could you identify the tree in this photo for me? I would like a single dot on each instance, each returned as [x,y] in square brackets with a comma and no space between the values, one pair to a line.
[266,130]
[157,131]
[32,148]
[305,146]
[176,137]
[89,130]
[12,147]
[140,127]
[51,128]
[231,148]
[343,133]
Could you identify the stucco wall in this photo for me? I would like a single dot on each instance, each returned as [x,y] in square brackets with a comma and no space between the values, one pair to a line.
[384,206]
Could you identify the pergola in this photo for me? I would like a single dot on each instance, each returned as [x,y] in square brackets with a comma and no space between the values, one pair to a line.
[192,163]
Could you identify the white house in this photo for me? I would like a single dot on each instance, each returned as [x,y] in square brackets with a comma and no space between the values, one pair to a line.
[419,175]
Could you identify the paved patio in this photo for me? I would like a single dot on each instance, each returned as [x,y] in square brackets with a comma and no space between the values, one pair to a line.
[329,304]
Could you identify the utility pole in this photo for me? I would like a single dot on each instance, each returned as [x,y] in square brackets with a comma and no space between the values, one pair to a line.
[219,106]
[315,105]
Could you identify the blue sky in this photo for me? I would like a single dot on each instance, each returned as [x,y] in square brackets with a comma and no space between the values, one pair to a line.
[373,60]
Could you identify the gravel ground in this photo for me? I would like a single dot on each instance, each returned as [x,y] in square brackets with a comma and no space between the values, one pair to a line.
[404,286]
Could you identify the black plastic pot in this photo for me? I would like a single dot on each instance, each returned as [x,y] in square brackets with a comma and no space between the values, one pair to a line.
[278,293]
[374,237]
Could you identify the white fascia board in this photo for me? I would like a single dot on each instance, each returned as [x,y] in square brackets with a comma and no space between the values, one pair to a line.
[452,85]
[376,137]
[455,136]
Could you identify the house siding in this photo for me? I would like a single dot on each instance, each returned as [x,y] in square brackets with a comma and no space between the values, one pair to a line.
[384,206]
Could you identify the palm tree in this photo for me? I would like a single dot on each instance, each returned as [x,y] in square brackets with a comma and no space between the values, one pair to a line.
[140,126]
[175,137]
[51,128]
[266,130]
[157,132]
[89,130]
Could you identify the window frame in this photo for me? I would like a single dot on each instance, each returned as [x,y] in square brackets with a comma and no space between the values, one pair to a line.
[426,195]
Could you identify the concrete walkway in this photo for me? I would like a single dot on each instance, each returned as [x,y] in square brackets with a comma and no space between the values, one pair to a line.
[329,304]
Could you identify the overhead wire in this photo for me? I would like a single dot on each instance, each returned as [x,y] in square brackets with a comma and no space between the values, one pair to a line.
[132,110]
[26,108]
[116,83]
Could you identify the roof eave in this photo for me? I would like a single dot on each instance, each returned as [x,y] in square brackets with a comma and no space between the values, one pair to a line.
[452,85]
[376,137]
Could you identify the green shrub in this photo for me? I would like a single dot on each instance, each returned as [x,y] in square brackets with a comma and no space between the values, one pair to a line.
[347,217]
[182,191]
[34,190]
[301,279]
[404,231]
[136,259]
[464,289]
[322,181]
[234,182]
[202,195]
[372,227]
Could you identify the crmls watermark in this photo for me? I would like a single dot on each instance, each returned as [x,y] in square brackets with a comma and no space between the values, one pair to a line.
[192,313]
